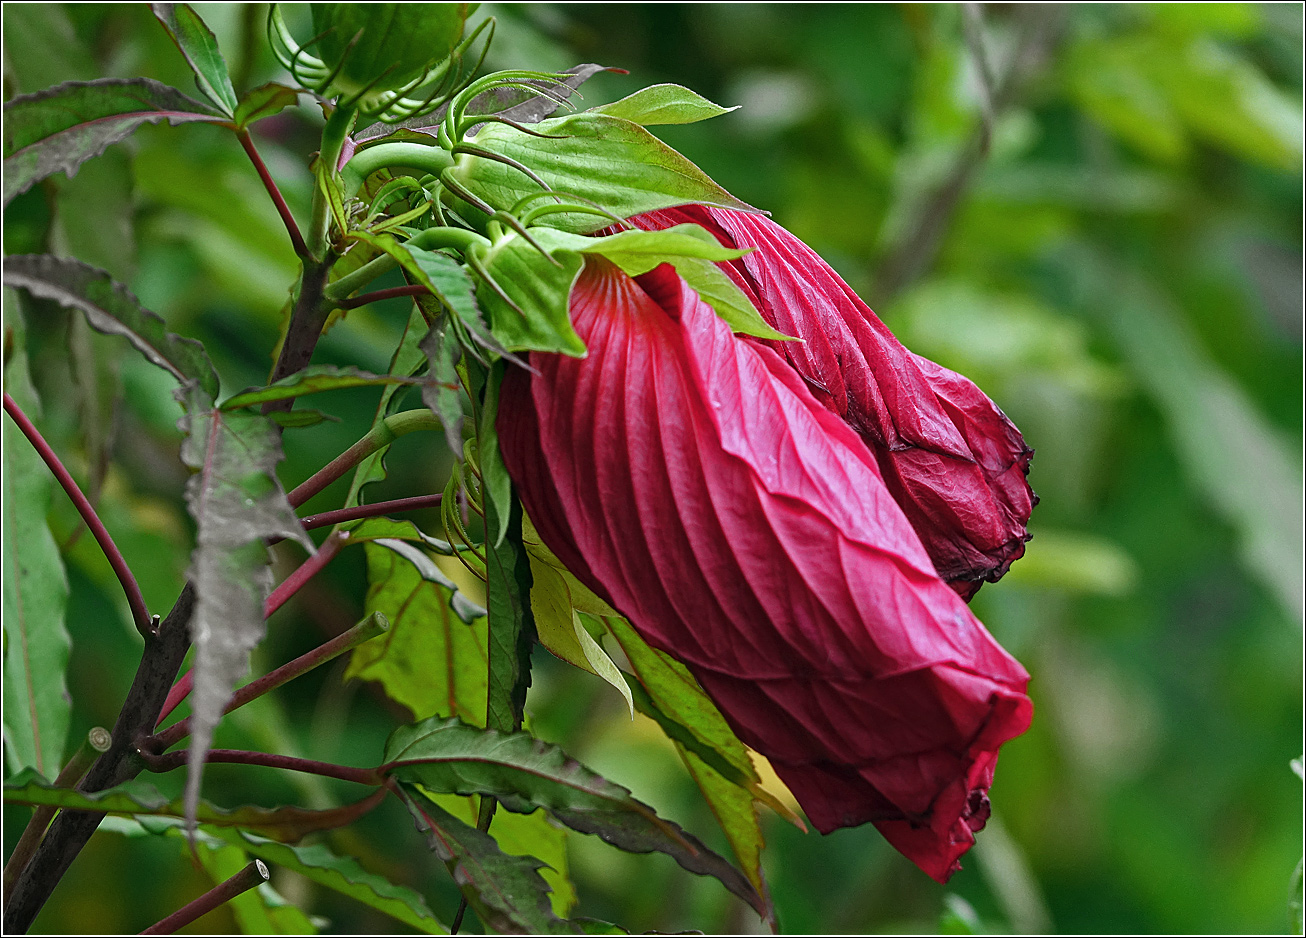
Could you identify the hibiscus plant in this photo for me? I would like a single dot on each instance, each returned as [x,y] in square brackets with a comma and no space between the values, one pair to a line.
[688,460]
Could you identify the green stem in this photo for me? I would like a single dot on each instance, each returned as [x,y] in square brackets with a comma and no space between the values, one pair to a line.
[334,133]
[365,162]
[383,434]
[432,239]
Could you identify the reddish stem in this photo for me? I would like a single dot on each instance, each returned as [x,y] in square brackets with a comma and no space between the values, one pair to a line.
[388,293]
[252,875]
[332,471]
[175,760]
[180,691]
[135,600]
[296,239]
[371,511]
[370,627]
[304,572]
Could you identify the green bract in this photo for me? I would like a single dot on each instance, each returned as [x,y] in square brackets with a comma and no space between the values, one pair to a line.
[385,46]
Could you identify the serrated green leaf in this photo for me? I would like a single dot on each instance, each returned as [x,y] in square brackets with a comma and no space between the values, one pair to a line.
[59,129]
[311,380]
[112,309]
[343,874]
[512,629]
[429,661]
[663,104]
[714,756]
[561,632]
[138,798]
[523,773]
[537,318]
[265,101]
[200,47]
[464,608]
[525,835]
[441,394]
[446,278]
[507,892]
[37,709]
[606,160]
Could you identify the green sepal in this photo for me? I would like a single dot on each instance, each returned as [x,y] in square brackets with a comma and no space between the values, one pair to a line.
[663,104]
[608,161]
[537,319]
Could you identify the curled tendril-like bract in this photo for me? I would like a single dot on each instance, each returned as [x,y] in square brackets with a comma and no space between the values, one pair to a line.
[373,101]
[456,122]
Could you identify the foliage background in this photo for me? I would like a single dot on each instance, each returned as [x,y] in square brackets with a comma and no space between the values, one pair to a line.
[1123,274]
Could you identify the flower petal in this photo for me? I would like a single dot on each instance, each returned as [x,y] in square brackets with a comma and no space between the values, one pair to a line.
[949,455]
[691,479]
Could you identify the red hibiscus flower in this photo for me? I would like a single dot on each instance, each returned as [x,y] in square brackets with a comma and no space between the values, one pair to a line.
[951,458]
[693,480]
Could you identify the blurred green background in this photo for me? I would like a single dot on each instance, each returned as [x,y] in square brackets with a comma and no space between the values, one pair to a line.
[1105,234]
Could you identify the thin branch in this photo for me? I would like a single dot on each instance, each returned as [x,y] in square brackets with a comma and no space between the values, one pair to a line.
[371,511]
[304,572]
[905,261]
[292,229]
[381,435]
[176,760]
[140,614]
[389,293]
[369,628]
[71,830]
[252,875]
[180,691]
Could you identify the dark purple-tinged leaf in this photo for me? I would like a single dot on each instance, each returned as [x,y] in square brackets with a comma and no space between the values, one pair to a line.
[237,502]
[663,104]
[512,628]
[429,661]
[523,773]
[441,392]
[265,101]
[62,127]
[311,380]
[111,308]
[611,162]
[517,104]
[200,47]
[511,103]
[506,892]
[496,485]
[138,798]
[37,708]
